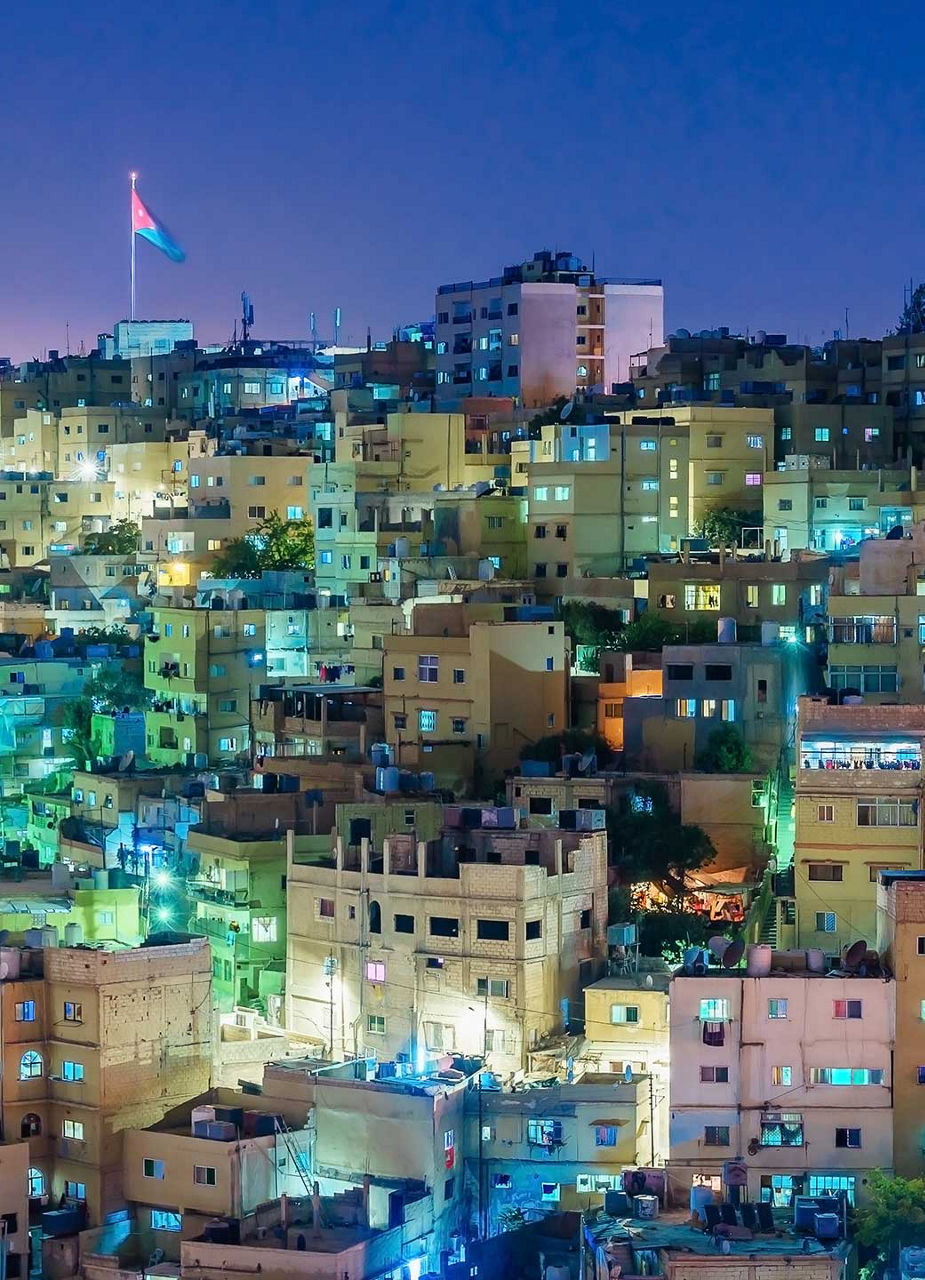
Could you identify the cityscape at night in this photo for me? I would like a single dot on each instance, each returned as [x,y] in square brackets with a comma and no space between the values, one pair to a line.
[462,644]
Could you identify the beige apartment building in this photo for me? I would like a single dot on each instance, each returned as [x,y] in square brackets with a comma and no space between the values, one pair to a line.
[94,1042]
[468,942]
[15,1194]
[789,1069]
[808,505]
[857,812]
[466,686]
[901,940]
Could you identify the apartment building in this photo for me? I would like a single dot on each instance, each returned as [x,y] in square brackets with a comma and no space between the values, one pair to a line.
[462,688]
[857,812]
[149,479]
[62,382]
[95,591]
[542,329]
[42,516]
[293,721]
[901,941]
[136,339]
[252,375]
[790,1071]
[752,589]
[903,378]
[470,942]
[876,623]
[808,505]
[545,1151]
[33,739]
[202,666]
[246,488]
[15,1193]
[94,1042]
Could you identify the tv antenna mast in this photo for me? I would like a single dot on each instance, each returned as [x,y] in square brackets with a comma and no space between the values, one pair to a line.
[247,316]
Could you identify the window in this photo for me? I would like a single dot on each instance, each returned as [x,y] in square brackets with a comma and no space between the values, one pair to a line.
[541,493]
[825,813]
[35,1182]
[544,1133]
[400,720]
[920,946]
[714,442]
[728,709]
[648,446]
[782,1077]
[375,1024]
[73,1072]
[715,477]
[493,930]
[403,924]
[650,486]
[847,1009]
[887,812]
[686,708]
[72,1129]
[533,930]
[324,908]
[714,1009]
[826,870]
[844,1076]
[920,1078]
[264,929]
[848,1138]
[204,1175]
[714,1075]
[427,721]
[444,927]
[252,388]
[752,479]
[751,596]
[716,1135]
[30,1065]
[459,676]
[781,1129]
[620,1013]
[375,970]
[153,1169]
[73,1012]
[428,669]
[398,673]
[821,434]
[24,1011]
[778,593]
[165,1220]
[561,493]
[458,724]
[784,504]
[249,629]
[605,1135]
[755,442]
[701,597]
[227,744]
[497,988]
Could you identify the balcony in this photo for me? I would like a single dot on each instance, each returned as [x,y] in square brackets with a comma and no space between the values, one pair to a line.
[463,317]
[865,629]
[217,509]
[459,379]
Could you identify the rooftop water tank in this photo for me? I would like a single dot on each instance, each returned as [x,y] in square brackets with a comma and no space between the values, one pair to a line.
[758,964]
[725,630]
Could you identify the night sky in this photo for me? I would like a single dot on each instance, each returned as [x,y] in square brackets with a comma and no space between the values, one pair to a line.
[766,161]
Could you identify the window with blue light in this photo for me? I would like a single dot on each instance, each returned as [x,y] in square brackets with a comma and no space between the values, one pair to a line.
[327,557]
[427,721]
[165,1220]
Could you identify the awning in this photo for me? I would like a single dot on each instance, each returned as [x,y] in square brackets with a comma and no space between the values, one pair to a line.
[607,1124]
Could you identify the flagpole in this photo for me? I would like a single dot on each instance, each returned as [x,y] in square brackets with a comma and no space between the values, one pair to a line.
[133,177]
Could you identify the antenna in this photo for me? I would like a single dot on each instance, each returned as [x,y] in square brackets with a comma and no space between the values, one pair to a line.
[855,954]
[733,954]
[313,326]
[247,316]
[336,325]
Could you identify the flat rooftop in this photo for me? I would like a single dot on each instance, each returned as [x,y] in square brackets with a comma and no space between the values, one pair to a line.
[672,1231]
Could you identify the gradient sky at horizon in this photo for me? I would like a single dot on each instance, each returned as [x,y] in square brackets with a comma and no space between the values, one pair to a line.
[762,161]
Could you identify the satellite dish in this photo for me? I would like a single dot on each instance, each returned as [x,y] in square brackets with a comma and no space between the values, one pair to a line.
[566,411]
[649,984]
[628,1074]
[733,954]
[127,761]
[718,945]
[855,954]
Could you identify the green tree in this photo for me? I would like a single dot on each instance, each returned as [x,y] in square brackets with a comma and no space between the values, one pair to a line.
[647,842]
[120,539]
[912,319]
[893,1213]
[593,627]
[274,544]
[722,526]
[651,632]
[552,748]
[112,689]
[725,752]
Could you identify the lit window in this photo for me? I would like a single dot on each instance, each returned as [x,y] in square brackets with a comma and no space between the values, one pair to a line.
[825,922]
[72,1071]
[428,669]
[755,442]
[541,493]
[72,1129]
[427,721]
[153,1169]
[24,1011]
[73,1012]
[561,493]
[30,1065]
[714,1009]
[821,434]
[728,709]
[752,478]
[781,1077]
[264,929]
[647,446]
[375,1024]
[375,971]
[165,1220]
[35,1182]
[620,1013]
[686,708]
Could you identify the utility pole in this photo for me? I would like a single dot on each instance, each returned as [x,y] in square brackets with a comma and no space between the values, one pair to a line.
[330,968]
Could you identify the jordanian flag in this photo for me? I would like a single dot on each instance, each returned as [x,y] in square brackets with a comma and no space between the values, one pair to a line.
[145,224]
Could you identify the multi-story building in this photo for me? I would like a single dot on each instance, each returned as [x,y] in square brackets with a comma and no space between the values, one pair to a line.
[469,942]
[857,812]
[62,382]
[808,505]
[543,329]
[33,737]
[466,686]
[94,1042]
[15,1196]
[251,375]
[786,1068]
[95,591]
[135,339]
[901,940]
[202,666]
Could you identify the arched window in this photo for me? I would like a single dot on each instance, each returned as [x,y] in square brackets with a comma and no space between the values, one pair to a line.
[30,1125]
[375,918]
[30,1065]
[35,1181]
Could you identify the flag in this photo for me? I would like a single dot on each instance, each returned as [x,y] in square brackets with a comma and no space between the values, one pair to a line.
[145,224]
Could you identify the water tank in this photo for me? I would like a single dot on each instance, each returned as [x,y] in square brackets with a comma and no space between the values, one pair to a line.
[60,875]
[770,633]
[73,935]
[815,960]
[826,1226]
[700,1197]
[10,958]
[758,964]
[49,936]
[725,630]
[645,1206]
[100,878]
[389,779]
[33,938]
[804,1213]
[617,1203]
[402,548]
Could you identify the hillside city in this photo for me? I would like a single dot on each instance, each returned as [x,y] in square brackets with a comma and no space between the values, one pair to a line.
[461,798]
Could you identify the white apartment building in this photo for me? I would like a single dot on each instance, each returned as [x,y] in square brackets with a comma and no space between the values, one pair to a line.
[473,943]
[787,1069]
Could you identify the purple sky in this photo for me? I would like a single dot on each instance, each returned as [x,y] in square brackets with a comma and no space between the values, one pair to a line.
[766,161]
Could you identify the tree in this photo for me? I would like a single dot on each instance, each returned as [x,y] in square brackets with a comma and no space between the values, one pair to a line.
[553,414]
[912,319]
[722,526]
[111,689]
[120,539]
[725,752]
[651,632]
[648,842]
[593,627]
[570,741]
[274,544]
[893,1212]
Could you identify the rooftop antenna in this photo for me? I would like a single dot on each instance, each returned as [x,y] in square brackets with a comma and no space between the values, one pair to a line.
[336,325]
[247,316]
[67,337]
[313,325]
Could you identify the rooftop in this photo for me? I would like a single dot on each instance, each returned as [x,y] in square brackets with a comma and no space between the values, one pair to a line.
[673,1232]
